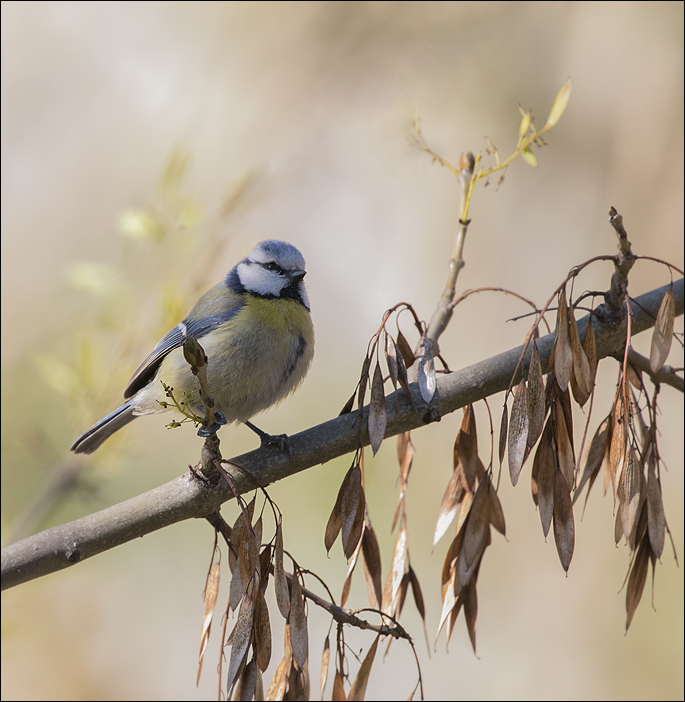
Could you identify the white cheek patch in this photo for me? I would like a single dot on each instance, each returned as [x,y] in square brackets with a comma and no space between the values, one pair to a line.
[303,295]
[259,280]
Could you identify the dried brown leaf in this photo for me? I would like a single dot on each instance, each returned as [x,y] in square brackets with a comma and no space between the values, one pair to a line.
[363,382]
[565,456]
[394,578]
[347,408]
[265,566]
[236,588]
[426,370]
[662,336]
[518,432]
[466,572]
[405,454]
[449,599]
[338,688]
[211,592]
[619,444]
[546,488]
[259,685]
[325,658]
[534,482]
[503,431]
[564,530]
[237,533]
[595,457]
[299,638]
[544,467]
[276,689]
[590,348]
[240,636]
[255,546]
[637,579]
[636,415]
[371,557]
[464,509]
[450,560]
[578,393]
[618,527]
[471,610]
[351,565]
[641,523]
[405,350]
[358,689]
[298,683]
[477,525]
[564,398]
[452,619]
[401,596]
[248,681]
[581,377]
[403,380]
[496,511]
[449,506]
[629,493]
[246,560]
[466,449]
[280,581]
[563,357]
[262,630]
[552,358]
[418,595]
[535,399]
[335,520]
[378,419]
[469,439]
[655,511]
[352,510]
[391,354]
[403,444]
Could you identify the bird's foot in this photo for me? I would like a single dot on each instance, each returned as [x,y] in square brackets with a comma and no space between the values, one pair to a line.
[280,440]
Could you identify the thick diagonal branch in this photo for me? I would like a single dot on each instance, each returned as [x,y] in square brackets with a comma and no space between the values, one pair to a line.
[186,497]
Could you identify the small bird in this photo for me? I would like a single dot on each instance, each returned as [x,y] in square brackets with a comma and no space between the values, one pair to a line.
[256,330]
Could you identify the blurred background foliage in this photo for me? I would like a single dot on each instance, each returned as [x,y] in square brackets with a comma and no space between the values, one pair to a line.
[147,146]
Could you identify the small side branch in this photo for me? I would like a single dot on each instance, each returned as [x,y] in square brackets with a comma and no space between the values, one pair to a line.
[622,265]
[666,375]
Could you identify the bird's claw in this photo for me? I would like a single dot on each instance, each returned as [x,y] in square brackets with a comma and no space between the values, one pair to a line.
[280,440]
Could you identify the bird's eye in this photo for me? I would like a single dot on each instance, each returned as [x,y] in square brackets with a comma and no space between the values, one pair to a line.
[272,266]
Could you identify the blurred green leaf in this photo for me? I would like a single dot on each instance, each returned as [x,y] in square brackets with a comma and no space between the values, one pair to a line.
[137,223]
[559,106]
[174,171]
[529,157]
[91,276]
[189,214]
[60,376]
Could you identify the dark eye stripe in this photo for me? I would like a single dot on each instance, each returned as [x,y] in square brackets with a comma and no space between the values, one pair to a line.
[273,266]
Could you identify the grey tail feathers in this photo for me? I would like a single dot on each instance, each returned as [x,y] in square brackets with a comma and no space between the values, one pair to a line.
[102,430]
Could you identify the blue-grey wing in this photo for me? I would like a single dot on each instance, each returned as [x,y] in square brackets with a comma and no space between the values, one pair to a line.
[225,307]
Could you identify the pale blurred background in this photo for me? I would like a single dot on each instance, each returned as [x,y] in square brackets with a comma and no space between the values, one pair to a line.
[299,114]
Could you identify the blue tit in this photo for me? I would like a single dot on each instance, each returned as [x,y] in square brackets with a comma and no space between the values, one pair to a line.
[257,333]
